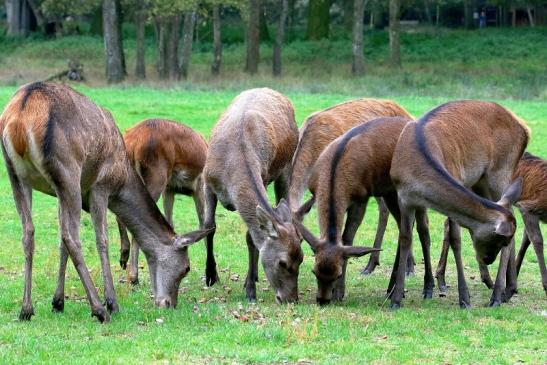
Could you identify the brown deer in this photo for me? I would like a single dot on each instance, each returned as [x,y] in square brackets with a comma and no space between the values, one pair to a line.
[350,170]
[533,207]
[322,128]
[169,158]
[57,141]
[450,150]
[252,145]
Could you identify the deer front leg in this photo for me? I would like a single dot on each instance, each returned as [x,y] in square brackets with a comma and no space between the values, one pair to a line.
[422,225]
[456,245]
[134,262]
[124,244]
[499,285]
[252,273]
[522,252]
[98,203]
[383,216]
[168,203]
[211,274]
[405,245]
[58,302]
[441,266]
[355,215]
[485,275]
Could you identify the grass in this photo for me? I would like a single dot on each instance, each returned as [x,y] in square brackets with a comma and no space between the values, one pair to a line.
[216,325]
[490,63]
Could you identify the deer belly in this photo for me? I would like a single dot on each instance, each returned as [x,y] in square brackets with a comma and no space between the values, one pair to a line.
[182,182]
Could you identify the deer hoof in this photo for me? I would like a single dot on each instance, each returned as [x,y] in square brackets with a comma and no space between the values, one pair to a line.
[58,305]
[101,314]
[395,306]
[26,313]
[428,293]
[112,306]
[464,305]
[123,264]
[211,277]
[494,303]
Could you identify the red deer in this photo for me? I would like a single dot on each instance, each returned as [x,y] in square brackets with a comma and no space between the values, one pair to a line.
[169,158]
[252,145]
[533,207]
[322,128]
[450,150]
[354,167]
[57,141]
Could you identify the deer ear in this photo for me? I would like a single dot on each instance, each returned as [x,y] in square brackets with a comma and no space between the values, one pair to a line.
[304,209]
[307,236]
[505,228]
[512,194]
[187,239]
[357,251]
[266,222]
[283,211]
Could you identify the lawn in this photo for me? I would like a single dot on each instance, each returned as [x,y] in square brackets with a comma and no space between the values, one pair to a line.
[216,325]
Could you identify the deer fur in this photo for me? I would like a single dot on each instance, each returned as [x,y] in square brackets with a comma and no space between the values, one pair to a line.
[322,128]
[354,167]
[169,158]
[57,141]
[252,145]
[455,159]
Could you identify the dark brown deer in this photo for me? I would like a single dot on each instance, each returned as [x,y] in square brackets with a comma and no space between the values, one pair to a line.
[169,158]
[252,145]
[533,207]
[59,142]
[450,150]
[350,170]
[322,128]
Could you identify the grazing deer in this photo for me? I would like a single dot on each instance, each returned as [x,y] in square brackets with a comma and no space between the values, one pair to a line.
[169,158]
[252,145]
[453,148]
[533,207]
[354,167]
[322,128]
[57,141]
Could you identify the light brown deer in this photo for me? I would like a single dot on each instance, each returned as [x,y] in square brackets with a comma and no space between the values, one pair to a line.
[354,167]
[322,128]
[453,148]
[57,141]
[169,158]
[252,145]
[533,207]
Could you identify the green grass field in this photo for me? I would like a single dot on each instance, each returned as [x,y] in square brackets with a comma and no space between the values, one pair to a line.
[216,325]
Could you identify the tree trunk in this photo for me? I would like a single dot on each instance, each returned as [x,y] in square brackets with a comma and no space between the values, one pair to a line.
[513,17]
[172,48]
[20,17]
[162,29]
[394,41]
[318,19]
[467,15]
[264,32]
[187,39]
[358,64]
[253,37]
[140,17]
[112,42]
[530,16]
[438,17]
[348,14]
[217,41]
[279,38]
[427,8]
[119,14]
[290,16]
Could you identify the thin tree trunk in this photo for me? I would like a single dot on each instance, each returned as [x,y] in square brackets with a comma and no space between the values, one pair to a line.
[112,44]
[263,23]
[348,6]
[140,16]
[279,38]
[172,48]
[318,19]
[217,55]
[162,28]
[253,36]
[119,15]
[530,16]
[358,64]
[467,15]
[427,8]
[290,16]
[187,39]
[394,41]
[514,17]
[438,17]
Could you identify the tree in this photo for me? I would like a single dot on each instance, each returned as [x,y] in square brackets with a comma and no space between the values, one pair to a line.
[140,26]
[318,19]
[253,36]
[394,41]
[112,41]
[358,64]
[187,40]
[217,41]
[280,34]
[20,17]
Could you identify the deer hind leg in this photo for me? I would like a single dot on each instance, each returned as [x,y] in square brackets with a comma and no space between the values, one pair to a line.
[211,274]
[534,233]
[422,225]
[383,215]
[168,203]
[22,194]
[523,248]
[281,185]
[441,266]
[125,244]
[456,243]
[355,214]
[98,203]
[58,302]
[405,245]
[252,273]
[70,206]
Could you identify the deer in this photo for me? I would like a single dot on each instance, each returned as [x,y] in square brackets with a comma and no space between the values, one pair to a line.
[57,141]
[320,129]
[252,145]
[169,158]
[353,168]
[457,159]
